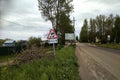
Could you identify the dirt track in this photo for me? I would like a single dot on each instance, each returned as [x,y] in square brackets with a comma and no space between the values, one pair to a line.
[6,63]
[98,63]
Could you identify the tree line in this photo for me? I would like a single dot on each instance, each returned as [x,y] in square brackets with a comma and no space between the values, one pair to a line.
[102,29]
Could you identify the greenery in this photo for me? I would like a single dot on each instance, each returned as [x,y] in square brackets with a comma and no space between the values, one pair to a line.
[34,41]
[84,32]
[1,42]
[65,26]
[112,46]
[98,29]
[58,12]
[63,67]
[4,58]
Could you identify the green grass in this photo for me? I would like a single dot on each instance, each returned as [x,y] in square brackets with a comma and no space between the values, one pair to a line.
[4,58]
[112,46]
[63,67]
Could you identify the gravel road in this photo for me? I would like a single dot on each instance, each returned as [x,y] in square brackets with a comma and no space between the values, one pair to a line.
[98,63]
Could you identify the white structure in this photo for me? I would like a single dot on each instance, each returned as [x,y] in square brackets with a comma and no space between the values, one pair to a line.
[70,36]
[9,43]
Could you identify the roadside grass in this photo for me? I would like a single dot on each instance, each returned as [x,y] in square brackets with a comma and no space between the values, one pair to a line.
[112,46]
[63,67]
[4,58]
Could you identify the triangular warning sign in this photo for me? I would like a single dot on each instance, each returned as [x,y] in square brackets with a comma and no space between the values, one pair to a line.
[52,34]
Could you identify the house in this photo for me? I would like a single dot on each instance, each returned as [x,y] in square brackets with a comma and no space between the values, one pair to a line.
[9,43]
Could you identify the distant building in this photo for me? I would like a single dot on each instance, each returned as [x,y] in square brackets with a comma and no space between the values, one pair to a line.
[9,43]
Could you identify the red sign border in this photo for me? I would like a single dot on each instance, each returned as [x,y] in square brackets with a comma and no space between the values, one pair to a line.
[50,33]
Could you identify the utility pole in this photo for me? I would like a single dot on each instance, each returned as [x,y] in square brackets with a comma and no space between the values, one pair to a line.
[74,21]
[74,25]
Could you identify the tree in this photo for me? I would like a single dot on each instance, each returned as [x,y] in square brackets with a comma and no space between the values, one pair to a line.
[65,26]
[84,32]
[117,29]
[77,38]
[92,30]
[1,42]
[51,10]
[101,25]
[110,21]
[58,12]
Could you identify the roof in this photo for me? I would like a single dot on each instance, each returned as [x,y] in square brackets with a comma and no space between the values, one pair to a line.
[9,41]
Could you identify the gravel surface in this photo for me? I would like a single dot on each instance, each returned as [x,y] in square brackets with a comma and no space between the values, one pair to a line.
[98,63]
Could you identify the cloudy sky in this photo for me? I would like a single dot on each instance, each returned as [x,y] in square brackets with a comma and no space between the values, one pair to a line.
[20,19]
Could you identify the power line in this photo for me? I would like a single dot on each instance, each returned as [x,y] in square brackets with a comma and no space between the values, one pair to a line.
[16,23]
[13,22]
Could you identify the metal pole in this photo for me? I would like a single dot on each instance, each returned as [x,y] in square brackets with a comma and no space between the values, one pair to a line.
[54,48]
[74,21]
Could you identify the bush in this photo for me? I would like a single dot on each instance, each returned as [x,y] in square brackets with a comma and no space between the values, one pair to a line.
[33,41]
[11,50]
[31,54]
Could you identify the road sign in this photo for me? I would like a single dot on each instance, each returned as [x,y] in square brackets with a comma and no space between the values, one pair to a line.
[69,36]
[108,37]
[50,41]
[52,38]
[52,34]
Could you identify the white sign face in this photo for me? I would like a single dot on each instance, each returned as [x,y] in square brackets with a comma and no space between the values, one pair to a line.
[69,36]
[51,41]
[108,37]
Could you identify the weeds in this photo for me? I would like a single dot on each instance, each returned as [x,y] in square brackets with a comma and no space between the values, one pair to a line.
[112,46]
[62,67]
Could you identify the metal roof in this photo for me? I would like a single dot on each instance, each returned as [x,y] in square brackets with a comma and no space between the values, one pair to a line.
[9,41]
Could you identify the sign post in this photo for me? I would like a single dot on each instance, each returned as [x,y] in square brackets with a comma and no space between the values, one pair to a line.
[54,48]
[52,39]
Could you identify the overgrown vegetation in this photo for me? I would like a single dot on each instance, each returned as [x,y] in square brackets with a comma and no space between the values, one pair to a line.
[112,46]
[63,67]
[34,41]
[1,42]
[21,46]
[4,58]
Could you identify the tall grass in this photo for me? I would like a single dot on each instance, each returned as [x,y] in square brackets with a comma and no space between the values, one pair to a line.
[63,67]
[112,46]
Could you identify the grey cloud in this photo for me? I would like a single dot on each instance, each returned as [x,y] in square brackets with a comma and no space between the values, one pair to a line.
[18,27]
[104,1]
[5,5]
[22,20]
[25,12]
[20,7]
[20,35]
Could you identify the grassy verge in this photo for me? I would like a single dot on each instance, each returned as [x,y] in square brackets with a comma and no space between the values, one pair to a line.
[4,58]
[63,67]
[112,46]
